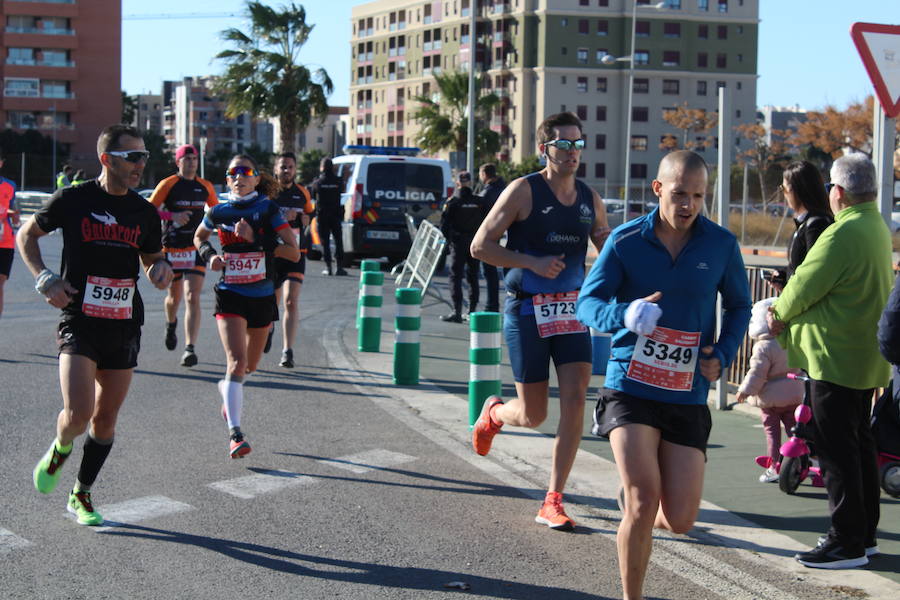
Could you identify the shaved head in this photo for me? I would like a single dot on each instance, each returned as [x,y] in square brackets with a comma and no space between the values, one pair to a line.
[678,162]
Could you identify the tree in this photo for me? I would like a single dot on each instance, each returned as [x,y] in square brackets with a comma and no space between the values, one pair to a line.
[263,75]
[831,130]
[510,171]
[688,120]
[763,154]
[445,122]
[161,162]
[129,108]
[308,164]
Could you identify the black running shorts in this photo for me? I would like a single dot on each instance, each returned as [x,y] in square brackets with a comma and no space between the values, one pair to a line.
[257,311]
[682,424]
[110,347]
[6,258]
[288,270]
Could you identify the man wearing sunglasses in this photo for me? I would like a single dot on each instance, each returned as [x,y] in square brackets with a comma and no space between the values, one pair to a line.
[108,231]
[550,217]
[181,200]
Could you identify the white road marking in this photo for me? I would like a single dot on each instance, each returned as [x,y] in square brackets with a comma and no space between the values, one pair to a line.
[137,510]
[10,541]
[370,460]
[251,486]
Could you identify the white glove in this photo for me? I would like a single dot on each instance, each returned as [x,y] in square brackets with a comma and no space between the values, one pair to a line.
[641,317]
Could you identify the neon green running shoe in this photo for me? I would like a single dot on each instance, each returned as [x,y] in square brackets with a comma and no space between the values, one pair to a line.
[46,473]
[80,506]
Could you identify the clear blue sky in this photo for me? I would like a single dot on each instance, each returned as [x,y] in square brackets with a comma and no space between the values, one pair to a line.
[806,56]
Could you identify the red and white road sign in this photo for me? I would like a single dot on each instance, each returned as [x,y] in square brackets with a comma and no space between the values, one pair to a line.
[879,48]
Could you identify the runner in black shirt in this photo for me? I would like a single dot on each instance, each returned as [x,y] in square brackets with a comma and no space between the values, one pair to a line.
[326,189]
[108,230]
[181,200]
[295,204]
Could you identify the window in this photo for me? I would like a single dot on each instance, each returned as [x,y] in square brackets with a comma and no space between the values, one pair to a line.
[639,143]
[720,84]
[703,32]
[641,57]
[600,141]
[602,2]
[740,29]
[601,53]
[563,50]
[641,86]
[701,88]
[600,170]
[740,85]
[642,28]
[564,22]
[672,30]
[581,56]
[671,58]
[582,85]
[562,80]
[601,113]
[639,113]
[581,111]
[602,27]
[674,5]
[20,56]
[601,84]
[702,59]
[584,26]
[740,58]
[737,114]
[584,2]
[671,87]
[721,61]
[723,6]
[23,88]
[581,171]
[722,32]
[638,171]
[702,4]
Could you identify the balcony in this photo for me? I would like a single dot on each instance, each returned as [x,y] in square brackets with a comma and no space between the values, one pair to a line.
[40,30]
[30,62]
[49,1]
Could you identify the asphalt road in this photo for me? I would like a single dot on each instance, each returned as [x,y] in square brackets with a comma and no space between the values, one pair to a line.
[354,489]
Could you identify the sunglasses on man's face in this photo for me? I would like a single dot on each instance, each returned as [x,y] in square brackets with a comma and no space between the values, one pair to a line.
[132,156]
[567,145]
[241,170]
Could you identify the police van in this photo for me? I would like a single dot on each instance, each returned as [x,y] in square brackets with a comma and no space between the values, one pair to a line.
[382,185]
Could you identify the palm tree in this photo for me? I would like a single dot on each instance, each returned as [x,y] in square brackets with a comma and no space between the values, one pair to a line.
[445,121]
[263,77]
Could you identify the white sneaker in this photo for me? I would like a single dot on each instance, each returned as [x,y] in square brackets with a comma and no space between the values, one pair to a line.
[770,476]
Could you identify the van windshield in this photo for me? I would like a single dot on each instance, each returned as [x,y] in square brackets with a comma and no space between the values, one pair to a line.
[405,181]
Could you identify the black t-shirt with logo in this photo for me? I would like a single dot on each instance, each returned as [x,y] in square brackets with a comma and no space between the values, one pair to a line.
[177,194]
[103,236]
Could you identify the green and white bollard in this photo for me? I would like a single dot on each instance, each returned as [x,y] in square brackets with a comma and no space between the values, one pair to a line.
[406,340]
[484,360]
[370,301]
[366,265]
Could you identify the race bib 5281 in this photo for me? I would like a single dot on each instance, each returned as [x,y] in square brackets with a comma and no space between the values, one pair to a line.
[182,259]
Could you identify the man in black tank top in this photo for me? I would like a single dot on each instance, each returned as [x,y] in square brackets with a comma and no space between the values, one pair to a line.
[544,274]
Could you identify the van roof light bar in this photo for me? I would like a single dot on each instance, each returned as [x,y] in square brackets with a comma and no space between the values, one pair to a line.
[382,150]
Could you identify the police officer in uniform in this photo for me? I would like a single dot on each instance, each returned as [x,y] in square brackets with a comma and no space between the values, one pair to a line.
[326,189]
[462,215]
[492,186]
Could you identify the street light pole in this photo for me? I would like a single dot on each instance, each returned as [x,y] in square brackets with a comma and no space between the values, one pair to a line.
[470,129]
[628,115]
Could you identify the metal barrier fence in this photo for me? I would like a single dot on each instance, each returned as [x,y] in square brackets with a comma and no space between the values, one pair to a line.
[759,289]
[423,258]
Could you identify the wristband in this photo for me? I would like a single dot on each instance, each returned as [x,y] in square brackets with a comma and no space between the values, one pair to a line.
[165,215]
[44,280]
[206,251]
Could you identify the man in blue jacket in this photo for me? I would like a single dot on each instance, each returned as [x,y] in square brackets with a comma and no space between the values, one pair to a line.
[654,288]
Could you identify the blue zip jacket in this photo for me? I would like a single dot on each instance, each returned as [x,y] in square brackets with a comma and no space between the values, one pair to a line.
[634,263]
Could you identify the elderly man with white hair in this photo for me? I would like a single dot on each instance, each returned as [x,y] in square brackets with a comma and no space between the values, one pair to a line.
[827,318]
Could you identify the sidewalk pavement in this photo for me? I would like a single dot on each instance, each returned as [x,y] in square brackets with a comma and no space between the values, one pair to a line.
[737,511]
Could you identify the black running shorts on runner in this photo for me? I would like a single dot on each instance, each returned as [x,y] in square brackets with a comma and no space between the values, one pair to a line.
[258,312]
[110,347]
[289,270]
[6,258]
[682,424]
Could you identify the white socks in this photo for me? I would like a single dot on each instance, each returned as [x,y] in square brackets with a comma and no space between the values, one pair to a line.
[233,400]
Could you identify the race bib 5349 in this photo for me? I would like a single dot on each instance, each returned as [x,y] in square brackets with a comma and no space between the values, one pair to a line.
[665,359]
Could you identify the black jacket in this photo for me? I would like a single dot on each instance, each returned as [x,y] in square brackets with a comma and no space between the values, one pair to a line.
[889,335]
[326,189]
[463,214]
[808,231]
[491,192]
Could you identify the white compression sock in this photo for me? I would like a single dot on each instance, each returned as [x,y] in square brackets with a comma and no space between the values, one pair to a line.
[233,400]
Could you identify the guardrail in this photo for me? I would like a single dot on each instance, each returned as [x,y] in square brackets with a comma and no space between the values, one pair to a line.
[28,202]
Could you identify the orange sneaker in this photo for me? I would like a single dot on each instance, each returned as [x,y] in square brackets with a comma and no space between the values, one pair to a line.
[485,429]
[553,515]
[239,447]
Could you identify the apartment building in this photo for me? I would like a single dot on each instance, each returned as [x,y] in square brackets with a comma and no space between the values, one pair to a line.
[61,71]
[194,112]
[547,56]
[148,112]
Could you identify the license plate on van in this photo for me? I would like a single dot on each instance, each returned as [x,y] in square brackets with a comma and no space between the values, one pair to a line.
[383,235]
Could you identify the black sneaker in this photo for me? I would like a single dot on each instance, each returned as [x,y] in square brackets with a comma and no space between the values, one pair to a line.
[171,338]
[831,555]
[872,548]
[452,318]
[341,272]
[189,358]
[268,345]
[287,359]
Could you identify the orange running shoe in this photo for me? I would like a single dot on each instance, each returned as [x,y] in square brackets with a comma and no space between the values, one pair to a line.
[239,446]
[485,429]
[553,515]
